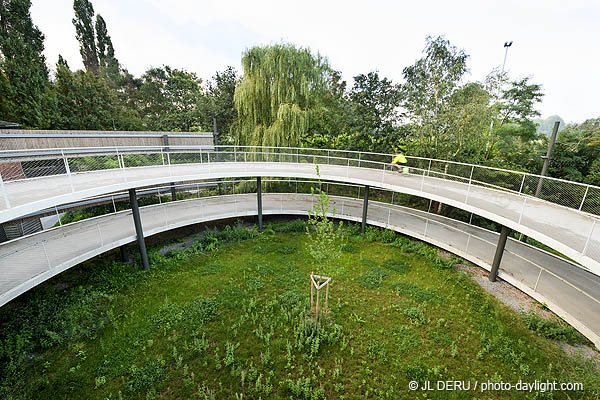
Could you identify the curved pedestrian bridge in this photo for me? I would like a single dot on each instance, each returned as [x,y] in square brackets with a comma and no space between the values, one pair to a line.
[571,292]
[561,219]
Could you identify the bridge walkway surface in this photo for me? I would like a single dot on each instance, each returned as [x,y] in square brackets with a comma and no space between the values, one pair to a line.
[570,291]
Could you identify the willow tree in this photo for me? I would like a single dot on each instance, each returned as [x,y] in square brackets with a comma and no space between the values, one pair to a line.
[282,86]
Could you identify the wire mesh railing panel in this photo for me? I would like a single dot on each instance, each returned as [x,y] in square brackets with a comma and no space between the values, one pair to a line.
[453,237]
[450,170]
[408,222]
[143,160]
[173,213]
[592,244]
[557,224]
[577,304]
[189,157]
[497,179]
[92,163]
[418,163]
[481,249]
[279,186]
[336,189]
[376,212]
[19,266]
[519,269]
[383,196]
[60,248]
[591,202]
[37,168]
[563,193]
[350,208]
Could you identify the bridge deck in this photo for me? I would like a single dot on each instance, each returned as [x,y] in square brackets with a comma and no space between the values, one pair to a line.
[569,231]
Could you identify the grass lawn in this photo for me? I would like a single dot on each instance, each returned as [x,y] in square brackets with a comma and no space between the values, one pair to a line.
[229,318]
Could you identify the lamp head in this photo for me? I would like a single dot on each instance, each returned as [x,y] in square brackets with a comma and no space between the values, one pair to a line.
[508,44]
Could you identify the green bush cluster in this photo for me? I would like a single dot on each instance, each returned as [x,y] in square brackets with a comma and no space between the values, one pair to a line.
[373,278]
[419,294]
[552,328]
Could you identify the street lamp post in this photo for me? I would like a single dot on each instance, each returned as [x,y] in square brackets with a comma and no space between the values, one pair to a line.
[506,45]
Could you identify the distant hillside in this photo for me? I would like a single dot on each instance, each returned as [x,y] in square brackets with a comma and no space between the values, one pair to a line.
[545,125]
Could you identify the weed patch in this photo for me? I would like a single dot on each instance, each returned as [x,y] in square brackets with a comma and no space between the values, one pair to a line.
[373,278]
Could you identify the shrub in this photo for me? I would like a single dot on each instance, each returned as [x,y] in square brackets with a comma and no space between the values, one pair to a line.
[373,278]
[375,234]
[552,328]
[396,264]
[415,292]
[349,248]
[212,268]
[148,376]
[416,316]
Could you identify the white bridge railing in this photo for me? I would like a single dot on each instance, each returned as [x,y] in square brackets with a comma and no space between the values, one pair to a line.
[564,216]
[17,165]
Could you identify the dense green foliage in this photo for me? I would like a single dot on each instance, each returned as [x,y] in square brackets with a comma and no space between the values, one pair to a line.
[203,324]
[281,88]
[23,71]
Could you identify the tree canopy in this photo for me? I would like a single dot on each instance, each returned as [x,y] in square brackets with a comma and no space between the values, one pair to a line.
[23,71]
[290,96]
[282,86]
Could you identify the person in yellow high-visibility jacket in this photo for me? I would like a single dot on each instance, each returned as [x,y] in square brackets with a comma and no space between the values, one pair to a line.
[400,162]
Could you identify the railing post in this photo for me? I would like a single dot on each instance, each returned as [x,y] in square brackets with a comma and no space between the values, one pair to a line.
[587,242]
[46,254]
[537,280]
[469,187]
[522,209]
[172,184]
[429,167]
[135,211]
[584,196]
[522,183]
[4,194]
[365,208]
[66,162]
[259,202]
[58,216]
[499,252]
[100,234]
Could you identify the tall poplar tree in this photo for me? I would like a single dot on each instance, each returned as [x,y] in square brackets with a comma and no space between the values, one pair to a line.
[106,51]
[281,88]
[85,33]
[23,71]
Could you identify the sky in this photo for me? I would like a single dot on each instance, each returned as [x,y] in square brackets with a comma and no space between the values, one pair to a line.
[555,42]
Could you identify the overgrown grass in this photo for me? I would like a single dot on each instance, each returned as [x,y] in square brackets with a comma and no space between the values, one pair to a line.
[229,318]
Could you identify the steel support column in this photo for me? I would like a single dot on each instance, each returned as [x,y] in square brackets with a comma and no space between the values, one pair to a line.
[365,207]
[538,190]
[135,211]
[499,252]
[259,203]
[124,253]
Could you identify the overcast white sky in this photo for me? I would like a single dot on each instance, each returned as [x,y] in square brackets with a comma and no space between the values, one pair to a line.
[555,42]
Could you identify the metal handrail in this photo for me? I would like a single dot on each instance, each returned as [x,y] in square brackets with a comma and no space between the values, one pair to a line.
[72,151]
